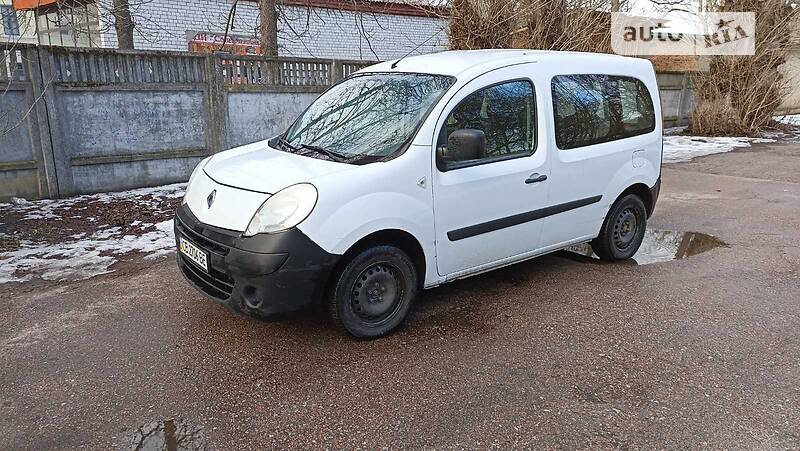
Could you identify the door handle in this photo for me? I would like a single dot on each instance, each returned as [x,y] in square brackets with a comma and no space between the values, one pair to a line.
[536,178]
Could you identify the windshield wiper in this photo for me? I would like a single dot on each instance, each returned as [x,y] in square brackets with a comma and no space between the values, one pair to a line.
[335,156]
[282,141]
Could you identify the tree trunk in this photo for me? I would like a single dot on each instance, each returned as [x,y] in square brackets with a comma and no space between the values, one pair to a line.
[268,27]
[123,24]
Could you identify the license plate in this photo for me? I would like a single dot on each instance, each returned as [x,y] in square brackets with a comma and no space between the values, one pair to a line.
[194,253]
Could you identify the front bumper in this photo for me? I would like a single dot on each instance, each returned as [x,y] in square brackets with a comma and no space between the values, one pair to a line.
[267,275]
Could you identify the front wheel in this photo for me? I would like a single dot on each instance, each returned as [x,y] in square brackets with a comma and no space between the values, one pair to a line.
[623,230]
[374,292]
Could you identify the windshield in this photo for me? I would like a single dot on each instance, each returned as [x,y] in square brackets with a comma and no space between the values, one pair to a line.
[371,115]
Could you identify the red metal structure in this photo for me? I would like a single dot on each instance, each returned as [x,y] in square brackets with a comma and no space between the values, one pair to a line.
[31,4]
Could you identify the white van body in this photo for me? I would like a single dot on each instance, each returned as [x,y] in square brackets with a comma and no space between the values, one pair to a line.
[465,220]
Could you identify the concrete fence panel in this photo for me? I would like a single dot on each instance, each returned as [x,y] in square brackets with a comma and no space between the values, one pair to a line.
[116,139]
[18,166]
[791,70]
[253,116]
[126,119]
[24,156]
[676,98]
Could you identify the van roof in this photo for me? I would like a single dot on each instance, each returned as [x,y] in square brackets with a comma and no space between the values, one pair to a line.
[455,62]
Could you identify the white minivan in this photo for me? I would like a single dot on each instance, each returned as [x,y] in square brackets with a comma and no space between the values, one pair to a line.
[412,173]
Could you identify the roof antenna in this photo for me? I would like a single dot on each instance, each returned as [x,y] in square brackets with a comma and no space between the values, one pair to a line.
[394,64]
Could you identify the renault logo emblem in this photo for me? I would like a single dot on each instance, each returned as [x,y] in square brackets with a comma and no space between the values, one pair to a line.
[211,197]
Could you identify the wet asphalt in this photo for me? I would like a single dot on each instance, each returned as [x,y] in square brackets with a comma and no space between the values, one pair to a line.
[558,352]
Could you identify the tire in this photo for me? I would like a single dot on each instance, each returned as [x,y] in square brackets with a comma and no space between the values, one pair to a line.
[373,292]
[623,230]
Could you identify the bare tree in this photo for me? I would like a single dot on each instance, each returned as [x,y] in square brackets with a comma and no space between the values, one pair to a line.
[268,27]
[739,94]
[123,23]
[576,25]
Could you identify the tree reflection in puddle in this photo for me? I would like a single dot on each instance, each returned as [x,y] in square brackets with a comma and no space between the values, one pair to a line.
[168,435]
[661,246]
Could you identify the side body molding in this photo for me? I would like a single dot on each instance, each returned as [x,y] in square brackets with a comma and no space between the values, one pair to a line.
[509,221]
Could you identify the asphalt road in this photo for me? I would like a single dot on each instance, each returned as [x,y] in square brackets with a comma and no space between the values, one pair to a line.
[560,351]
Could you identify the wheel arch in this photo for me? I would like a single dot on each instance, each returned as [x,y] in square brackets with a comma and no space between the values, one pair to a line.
[643,192]
[401,239]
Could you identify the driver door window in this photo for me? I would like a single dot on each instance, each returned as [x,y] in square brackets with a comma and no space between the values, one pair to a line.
[505,113]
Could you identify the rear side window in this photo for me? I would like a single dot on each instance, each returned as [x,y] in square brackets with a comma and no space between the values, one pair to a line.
[638,116]
[593,109]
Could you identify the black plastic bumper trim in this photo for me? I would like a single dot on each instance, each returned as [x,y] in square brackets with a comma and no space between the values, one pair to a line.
[290,276]
[655,190]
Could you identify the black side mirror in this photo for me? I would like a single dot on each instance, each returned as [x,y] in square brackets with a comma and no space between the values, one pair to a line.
[464,144]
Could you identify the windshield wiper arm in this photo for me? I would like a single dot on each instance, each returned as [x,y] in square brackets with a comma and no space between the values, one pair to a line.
[283,141]
[335,156]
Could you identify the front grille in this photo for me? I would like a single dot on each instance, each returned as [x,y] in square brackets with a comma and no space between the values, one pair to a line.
[214,283]
[202,241]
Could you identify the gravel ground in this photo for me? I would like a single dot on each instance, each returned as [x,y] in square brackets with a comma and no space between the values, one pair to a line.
[557,352]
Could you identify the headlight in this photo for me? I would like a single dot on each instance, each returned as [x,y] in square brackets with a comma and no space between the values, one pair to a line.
[284,210]
[196,171]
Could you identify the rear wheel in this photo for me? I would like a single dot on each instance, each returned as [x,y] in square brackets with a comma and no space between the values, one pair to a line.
[623,230]
[374,292]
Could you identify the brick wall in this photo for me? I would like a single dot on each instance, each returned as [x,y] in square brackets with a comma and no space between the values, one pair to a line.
[327,33]
[302,31]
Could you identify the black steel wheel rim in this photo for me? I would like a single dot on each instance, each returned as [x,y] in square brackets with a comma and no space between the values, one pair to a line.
[377,293]
[626,227]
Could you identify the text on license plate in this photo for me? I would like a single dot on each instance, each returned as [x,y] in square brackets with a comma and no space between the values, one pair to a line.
[194,253]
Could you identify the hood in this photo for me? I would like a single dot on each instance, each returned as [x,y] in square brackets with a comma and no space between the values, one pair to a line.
[259,167]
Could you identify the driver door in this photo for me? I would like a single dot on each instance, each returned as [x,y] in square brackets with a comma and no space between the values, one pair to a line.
[486,207]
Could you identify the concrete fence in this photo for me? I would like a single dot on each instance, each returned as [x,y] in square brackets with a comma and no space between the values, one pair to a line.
[76,121]
[676,97]
[791,70]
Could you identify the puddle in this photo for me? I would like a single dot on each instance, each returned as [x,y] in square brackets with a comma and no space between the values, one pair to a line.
[661,246]
[168,435]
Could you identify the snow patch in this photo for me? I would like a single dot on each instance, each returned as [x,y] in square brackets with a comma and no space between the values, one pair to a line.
[85,258]
[678,149]
[87,255]
[669,131]
[791,119]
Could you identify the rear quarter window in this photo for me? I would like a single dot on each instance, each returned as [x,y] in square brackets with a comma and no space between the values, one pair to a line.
[595,108]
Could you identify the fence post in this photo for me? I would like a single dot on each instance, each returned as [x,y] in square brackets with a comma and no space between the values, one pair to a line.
[337,71]
[683,118]
[62,154]
[43,116]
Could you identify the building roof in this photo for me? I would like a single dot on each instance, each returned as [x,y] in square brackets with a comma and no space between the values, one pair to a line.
[421,8]
[32,4]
